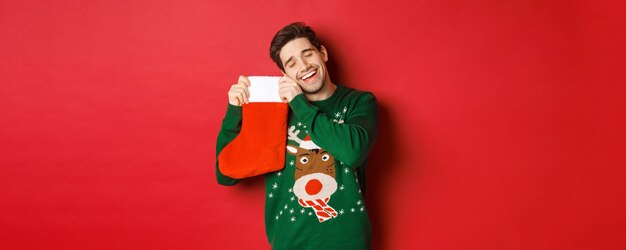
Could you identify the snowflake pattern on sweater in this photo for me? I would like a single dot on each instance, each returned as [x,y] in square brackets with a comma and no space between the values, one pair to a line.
[319,207]
[314,179]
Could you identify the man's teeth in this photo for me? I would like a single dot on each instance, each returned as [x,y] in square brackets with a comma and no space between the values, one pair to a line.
[308,75]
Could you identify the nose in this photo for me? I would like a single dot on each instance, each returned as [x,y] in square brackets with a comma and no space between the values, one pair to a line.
[313,187]
[303,65]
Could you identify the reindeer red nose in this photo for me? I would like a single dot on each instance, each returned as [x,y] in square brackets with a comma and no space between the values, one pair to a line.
[313,187]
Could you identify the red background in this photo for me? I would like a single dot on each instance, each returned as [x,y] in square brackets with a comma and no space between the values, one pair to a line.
[502,122]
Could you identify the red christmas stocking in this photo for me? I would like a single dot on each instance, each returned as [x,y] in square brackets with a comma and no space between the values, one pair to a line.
[260,146]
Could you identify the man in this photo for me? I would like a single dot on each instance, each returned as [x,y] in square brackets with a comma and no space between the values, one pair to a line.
[317,200]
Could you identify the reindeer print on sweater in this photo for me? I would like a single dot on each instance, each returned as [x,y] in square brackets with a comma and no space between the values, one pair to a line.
[317,201]
[314,176]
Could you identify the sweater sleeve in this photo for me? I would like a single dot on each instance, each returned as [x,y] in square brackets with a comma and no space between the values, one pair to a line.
[231,125]
[348,142]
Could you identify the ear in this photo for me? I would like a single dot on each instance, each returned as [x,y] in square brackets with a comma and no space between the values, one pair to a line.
[324,53]
[292,150]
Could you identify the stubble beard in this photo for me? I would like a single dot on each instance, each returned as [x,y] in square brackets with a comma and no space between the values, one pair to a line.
[312,91]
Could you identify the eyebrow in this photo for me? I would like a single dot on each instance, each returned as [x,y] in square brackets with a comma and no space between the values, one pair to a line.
[301,52]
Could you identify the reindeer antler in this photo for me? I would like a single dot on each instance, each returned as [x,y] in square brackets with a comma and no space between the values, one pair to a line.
[293,135]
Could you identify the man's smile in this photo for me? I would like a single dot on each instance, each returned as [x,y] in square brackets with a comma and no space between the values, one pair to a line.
[309,75]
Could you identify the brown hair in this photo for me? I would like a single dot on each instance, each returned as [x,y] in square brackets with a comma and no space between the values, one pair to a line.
[287,34]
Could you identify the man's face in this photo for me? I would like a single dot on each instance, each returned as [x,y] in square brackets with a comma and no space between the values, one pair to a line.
[305,64]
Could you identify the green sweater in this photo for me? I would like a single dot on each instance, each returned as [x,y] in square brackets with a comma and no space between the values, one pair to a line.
[317,200]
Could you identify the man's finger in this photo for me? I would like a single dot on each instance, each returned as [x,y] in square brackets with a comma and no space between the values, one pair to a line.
[240,100]
[247,92]
[244,80]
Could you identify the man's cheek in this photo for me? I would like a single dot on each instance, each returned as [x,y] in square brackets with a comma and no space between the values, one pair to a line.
[294,77]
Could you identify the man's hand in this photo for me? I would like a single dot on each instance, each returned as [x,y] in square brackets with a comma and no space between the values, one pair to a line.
[288,89]
[239,93]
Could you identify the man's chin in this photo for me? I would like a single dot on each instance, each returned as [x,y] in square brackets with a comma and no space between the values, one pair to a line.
[313,90]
